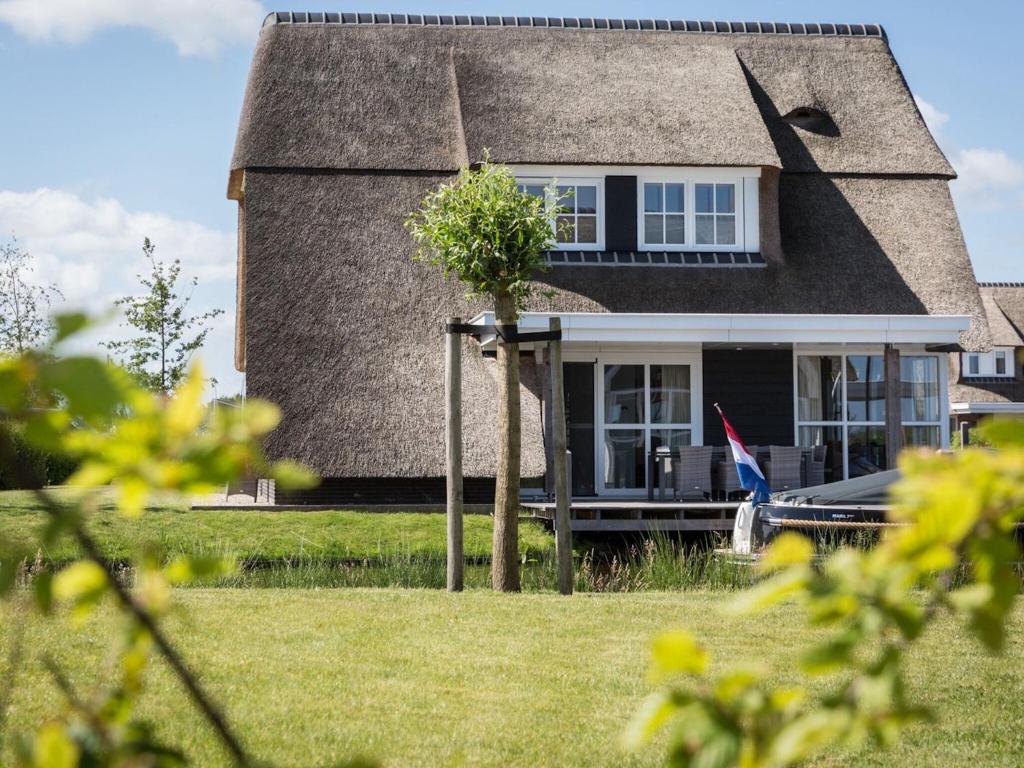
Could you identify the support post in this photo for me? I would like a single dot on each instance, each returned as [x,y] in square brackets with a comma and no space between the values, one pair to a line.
[563,530]
[893,415]
[453,444]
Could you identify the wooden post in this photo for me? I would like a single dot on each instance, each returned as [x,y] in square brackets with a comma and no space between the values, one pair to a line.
[893,414]
[453,442]
[563,531]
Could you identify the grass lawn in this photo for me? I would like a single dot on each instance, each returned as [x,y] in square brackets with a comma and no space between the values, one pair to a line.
[423,678]
[247,534]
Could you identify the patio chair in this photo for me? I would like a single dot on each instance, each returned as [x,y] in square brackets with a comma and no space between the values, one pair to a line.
[782,470]
[815,466]
[727,477]
[691,472]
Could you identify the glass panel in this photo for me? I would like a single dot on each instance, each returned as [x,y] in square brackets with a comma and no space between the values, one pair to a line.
[624,394]
[867,450]
[653,228]
[675,230]
[705,230]
[725,198]
[566,229]
[624,458]
[1000,363]
[673,438]
[973,364]
[919,388]
[567,198]
[725,230]
[865,388]
[831,440]
[670,394]
[586,199]
[704,198]
[921,437]
[674,198]
[819,388]
[586,229]
[537,190]
[579,423]
[652,197]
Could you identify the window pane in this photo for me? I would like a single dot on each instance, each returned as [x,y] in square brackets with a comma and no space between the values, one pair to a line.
[921,437]
[653,228]
[703,198]
[725,198]
[586,199]
[705,230]
[673,438]
[674,198]
[867,450]
[537,190]
[675,230]
[973,364]
[865,393]
[586,229]
[652,197]
[919,388]
[819,388]
[670,394]
[624,394]
[624,458]
[567,198]
[725,230]
[566,229]
[826,444]
[1000,363]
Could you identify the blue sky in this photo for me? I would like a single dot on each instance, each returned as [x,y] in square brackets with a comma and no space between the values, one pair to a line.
[120,119]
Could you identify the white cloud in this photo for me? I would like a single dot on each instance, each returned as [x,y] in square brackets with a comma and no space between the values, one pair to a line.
[196,27]
[92,251]
[933,117]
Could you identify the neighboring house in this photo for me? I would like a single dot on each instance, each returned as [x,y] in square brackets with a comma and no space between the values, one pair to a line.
[760,219]
[992,382]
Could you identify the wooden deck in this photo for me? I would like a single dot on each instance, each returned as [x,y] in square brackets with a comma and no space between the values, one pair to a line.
[614,515]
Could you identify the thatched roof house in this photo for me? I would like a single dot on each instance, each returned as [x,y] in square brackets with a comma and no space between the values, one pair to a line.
[992,381]
[761,191]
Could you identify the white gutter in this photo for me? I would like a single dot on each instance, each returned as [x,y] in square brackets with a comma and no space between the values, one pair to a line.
[966,408]
[744,328]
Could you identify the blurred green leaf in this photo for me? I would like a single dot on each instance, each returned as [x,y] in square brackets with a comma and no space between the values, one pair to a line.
[676,652]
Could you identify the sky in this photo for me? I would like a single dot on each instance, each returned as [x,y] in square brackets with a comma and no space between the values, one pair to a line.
[119,119]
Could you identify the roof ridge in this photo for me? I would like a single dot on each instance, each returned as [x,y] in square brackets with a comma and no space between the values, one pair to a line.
[558,22]
[1001,284]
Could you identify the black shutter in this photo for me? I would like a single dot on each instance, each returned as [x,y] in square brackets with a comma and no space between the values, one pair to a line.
[620,213]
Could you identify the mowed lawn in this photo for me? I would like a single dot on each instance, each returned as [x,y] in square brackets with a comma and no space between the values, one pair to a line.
[424,678]
[263,534]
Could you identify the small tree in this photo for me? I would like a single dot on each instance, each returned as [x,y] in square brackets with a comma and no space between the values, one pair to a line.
[24,306]
[486,233]
[168,336]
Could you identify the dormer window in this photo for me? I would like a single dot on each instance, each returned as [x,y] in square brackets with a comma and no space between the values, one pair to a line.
[578,218]
[684,212]
[813,120]
[999,362]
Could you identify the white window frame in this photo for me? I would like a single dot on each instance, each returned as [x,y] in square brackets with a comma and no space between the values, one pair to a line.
[845,422]
[560,181]
[646,359]
[987,363]
[745,198]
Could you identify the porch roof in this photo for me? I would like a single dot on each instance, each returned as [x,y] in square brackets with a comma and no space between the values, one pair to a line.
[612,327]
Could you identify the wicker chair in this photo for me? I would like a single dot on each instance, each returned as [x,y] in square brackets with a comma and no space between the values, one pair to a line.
[815,466]
[727,477]
[691,472]
[783,468]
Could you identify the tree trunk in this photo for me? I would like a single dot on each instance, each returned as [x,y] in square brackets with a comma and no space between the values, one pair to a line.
[505,552]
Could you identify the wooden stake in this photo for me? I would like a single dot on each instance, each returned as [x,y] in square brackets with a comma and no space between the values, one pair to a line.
[563,531]
[453,441]
[893,413]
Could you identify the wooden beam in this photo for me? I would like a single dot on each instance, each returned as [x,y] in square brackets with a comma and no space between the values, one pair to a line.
[453,443]
[893,414]
[563,531]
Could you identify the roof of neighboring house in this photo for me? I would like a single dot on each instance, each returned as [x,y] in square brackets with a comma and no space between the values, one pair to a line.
[396,92]
[1003,330]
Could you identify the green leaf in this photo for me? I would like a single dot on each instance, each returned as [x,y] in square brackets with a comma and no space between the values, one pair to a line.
[656,710]
[787,550]
[53,748]
[676,652]
[68,324]
[771,591]
[187,568]
[801,738]
[92,388]
[83,583]
[290,475]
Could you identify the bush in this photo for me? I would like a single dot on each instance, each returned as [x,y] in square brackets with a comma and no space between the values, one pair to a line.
[32,467]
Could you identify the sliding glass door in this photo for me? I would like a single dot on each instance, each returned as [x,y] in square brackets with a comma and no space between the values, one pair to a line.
[643,405]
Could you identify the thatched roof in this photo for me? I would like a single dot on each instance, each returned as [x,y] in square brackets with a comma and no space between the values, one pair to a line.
[392,96]
[1004,310]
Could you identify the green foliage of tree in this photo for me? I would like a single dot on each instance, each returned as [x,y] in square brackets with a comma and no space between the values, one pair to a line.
[166,334]
[130,442]
[24,305]
[953,552]
[481,230]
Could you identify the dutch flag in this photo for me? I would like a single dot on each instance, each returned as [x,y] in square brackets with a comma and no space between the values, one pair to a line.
[751,477]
